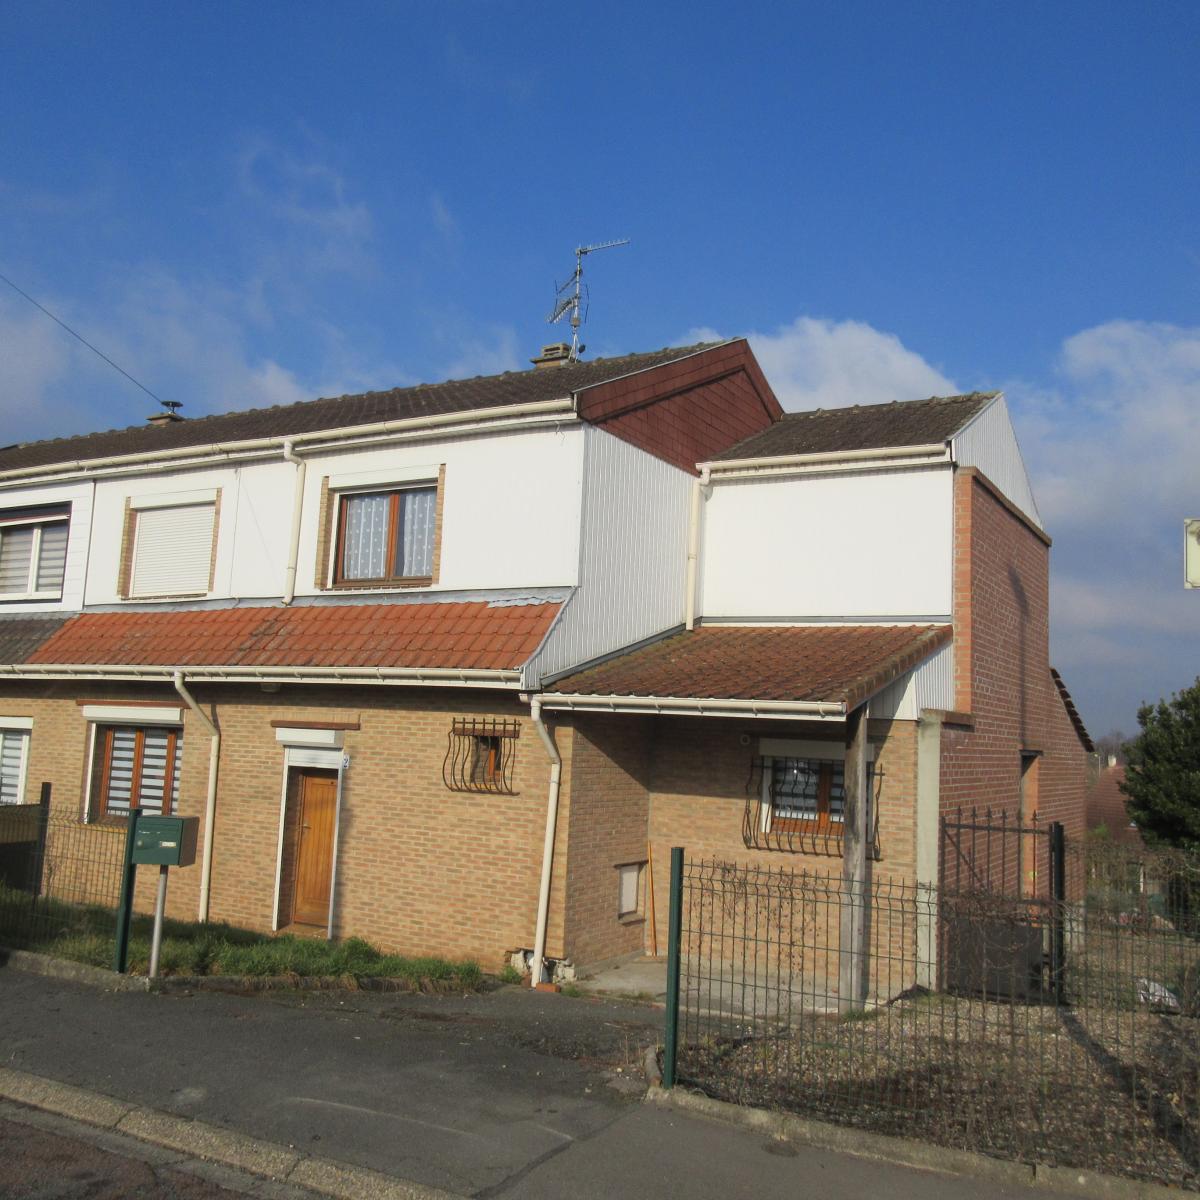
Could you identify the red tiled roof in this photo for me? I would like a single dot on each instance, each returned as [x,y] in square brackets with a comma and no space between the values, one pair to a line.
[835,663]
[1106,806]
[472,635]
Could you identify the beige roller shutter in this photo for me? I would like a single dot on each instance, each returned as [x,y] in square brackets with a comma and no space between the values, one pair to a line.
[173,550]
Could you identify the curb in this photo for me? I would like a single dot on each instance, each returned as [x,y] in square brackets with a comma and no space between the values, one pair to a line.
[209,1142]
[64,968]
[905,1152]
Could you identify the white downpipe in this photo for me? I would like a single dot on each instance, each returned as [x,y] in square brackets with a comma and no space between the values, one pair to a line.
[538,966]
[210,807]
[693,558]
[289,583]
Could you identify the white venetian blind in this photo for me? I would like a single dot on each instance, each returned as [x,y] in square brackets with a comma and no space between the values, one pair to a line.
[12,751]
[172,550]
[53,558]
[16,551]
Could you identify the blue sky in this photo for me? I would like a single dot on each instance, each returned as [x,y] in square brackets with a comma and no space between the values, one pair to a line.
[249,204]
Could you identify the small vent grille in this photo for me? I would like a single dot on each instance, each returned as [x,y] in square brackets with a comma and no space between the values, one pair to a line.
[480,755]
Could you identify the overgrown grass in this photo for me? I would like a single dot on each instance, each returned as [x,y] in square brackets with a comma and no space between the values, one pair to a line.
[85,934]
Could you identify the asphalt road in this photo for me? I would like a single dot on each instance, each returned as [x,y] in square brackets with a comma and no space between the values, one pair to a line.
[505,1094]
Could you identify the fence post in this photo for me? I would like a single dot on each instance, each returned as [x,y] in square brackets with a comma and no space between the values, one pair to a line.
[1058,898]
[674,932]
[43,830]
[125,911]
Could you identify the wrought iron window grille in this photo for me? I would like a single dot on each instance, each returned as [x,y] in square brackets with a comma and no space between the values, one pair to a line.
[480,754]
[792,805]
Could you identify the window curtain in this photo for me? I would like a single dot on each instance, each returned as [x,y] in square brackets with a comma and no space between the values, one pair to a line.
[52,559]
[155,749]
[366,536]
[414,554]
[16,551]
[12,750]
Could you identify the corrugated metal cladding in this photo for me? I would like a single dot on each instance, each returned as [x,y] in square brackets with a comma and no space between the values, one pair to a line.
[990,444]
[633,556]
[931,685]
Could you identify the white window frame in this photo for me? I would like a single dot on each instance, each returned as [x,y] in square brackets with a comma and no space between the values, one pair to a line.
[35,554]
[22,726]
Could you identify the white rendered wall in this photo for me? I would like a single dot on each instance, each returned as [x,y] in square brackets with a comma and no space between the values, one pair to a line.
[633,556]
[859,546]
[79,496]
[990,443]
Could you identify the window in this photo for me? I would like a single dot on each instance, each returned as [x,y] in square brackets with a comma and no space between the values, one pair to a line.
[629,889]
[386,536]
[807,790]
[135,766]
[14,752]
[480,754]
[172,549]
[33,553]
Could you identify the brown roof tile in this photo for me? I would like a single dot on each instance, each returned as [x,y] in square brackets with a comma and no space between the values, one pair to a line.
[311,416]
[1072,712]
[834,663]
[1106,806]
[500,637]
[21,636]
[863,427]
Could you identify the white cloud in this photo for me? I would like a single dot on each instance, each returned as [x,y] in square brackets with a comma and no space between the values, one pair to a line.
[444,221]
[818,363]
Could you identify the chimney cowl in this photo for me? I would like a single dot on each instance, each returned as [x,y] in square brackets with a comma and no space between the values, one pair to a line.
[557,354]
[170,412]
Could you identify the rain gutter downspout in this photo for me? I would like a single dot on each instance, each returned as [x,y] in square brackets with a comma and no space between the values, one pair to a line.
[210,808]
[693,558]
[538,966]
[289,584]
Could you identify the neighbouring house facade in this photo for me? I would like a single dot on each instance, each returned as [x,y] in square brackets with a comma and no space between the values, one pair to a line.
[449,667]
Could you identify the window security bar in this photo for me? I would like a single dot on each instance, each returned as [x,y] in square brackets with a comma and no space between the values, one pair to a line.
[480,753]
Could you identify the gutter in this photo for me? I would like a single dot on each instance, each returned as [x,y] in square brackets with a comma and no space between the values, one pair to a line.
[289,579]
[434,676]
[929,454]
[210,806]
[520,415]
[820,710]
[538,965]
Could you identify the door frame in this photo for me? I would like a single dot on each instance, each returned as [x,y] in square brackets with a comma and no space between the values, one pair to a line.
[295,758]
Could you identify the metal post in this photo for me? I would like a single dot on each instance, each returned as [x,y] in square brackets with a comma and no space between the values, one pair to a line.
[1058,897]
[43,831]
[125,911]
[674,931]
[160,907]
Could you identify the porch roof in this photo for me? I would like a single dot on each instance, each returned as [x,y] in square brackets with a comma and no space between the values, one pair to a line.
[475,635]
[821,664]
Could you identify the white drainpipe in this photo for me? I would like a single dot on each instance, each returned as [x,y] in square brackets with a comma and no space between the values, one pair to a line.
[538,966]
[693,558]
[289,585]
[210,810]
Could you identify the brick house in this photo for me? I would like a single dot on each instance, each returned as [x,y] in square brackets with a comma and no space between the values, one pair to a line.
[447,666]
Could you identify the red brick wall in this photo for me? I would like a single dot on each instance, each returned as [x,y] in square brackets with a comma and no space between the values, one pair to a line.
[687,411]
[1002,667]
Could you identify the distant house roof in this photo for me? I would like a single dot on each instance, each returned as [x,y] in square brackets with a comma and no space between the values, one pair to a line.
[470,635]
[863,427]
[1106,806]
[312,416]
[834,663]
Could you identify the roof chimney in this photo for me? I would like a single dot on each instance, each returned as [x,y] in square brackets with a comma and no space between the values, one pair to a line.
[557,354]
[168,414]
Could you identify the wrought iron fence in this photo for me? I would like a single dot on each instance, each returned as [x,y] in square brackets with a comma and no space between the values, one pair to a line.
[1047,1030]
[60,879]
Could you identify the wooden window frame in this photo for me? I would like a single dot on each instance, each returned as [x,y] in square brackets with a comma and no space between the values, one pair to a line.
[393,492]
[98,808]
[38,519]
[823,822]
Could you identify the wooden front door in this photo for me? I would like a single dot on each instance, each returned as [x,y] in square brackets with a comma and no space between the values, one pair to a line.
[317,804]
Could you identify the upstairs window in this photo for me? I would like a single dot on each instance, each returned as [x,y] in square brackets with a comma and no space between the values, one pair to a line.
[170,547]
[386,536]
[135,766]
[33,553]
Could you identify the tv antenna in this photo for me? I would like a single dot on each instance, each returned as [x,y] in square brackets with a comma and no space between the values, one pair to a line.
[574,296]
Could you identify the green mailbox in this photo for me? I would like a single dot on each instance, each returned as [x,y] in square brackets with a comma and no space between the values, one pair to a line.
[166,841]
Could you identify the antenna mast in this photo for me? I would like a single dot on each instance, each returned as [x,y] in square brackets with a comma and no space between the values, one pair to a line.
[573,293]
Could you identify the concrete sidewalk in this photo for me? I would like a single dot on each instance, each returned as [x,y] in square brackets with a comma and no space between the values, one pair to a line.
[510,1093]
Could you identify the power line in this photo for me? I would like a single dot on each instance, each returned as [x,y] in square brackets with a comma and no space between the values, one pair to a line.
[81,338]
